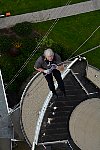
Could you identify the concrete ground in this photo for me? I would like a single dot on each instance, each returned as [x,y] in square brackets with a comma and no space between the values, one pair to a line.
[50,14]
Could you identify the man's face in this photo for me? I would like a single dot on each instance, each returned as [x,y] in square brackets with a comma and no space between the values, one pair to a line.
[49,57]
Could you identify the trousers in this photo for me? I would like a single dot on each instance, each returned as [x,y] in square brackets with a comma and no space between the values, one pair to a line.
[49,77]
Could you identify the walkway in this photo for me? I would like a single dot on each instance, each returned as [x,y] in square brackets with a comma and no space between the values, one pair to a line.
[50,14]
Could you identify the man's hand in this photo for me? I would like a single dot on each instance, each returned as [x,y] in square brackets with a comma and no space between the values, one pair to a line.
[53,66]
[39,69]
[48,71]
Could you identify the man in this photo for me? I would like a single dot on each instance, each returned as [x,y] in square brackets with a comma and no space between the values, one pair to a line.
[47,63]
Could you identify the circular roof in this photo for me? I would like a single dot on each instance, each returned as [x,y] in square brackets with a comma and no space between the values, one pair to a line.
[84,125]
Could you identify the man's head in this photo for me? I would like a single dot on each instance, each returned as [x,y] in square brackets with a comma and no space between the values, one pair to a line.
[49,54]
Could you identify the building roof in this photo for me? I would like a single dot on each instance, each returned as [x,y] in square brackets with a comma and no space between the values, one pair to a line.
[6,129]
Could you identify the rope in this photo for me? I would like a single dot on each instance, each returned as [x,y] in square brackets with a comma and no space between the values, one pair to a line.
[86,52]
[37,47]
[84,42]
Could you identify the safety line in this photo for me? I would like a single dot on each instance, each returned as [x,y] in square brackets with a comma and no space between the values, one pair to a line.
[86,52]
[84,42]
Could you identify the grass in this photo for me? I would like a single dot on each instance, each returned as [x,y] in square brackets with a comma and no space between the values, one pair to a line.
[71,32]
[25,6]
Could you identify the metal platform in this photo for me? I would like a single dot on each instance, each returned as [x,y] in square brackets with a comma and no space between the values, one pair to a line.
[55,125]
[45,120]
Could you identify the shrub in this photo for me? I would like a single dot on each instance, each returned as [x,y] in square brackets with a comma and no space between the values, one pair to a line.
[5,43]
[23,29]
[47,42]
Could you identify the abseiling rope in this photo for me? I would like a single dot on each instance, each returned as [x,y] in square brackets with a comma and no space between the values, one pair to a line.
[86,51]
[70,58]
[37,47]
[84,42]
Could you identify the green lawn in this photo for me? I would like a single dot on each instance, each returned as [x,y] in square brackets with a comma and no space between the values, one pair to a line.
[71,32]
[25,6]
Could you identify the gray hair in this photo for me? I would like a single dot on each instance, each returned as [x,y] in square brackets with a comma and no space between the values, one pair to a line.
[48,52]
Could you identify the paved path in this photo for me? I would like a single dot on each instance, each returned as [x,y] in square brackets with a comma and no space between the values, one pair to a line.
[96,4]
[50,14]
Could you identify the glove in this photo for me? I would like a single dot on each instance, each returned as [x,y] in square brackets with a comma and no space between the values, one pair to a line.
[48,71]
[53,66]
